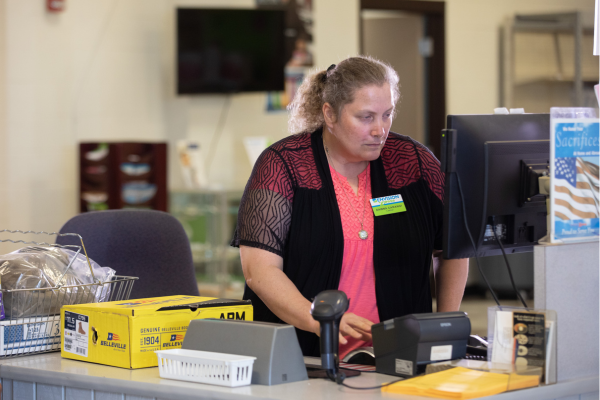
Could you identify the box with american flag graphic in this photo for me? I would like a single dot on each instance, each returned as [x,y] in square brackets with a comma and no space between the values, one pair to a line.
[127,333]
[575,151]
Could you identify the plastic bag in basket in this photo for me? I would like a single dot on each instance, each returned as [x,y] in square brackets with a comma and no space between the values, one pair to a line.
[46,267]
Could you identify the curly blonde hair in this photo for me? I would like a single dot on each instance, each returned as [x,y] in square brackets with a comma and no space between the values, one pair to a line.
[337,87]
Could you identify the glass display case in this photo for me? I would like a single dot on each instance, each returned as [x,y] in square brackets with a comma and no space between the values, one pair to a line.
[209,218]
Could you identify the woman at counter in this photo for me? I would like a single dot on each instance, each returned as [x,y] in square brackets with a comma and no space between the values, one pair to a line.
[306,224]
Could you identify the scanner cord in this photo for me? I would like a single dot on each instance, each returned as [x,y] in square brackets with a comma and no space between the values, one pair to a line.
[337,378]
[512,281]
[462,200]
[371,387]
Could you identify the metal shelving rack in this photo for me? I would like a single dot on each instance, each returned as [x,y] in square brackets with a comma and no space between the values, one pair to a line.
[554,65]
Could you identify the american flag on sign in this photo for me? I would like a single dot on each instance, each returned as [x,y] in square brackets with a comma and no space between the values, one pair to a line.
[575,189]
[113,336]
[176,337]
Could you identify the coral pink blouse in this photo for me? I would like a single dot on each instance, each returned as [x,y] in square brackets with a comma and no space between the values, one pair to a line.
[357,278]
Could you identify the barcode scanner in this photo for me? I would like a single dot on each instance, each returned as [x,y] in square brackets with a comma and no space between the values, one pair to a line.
[328,308]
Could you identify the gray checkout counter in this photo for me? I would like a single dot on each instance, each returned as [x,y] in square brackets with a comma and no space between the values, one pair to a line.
[49,377]
[566,280]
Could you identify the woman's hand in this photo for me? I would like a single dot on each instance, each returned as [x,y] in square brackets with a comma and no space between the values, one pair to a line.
[356,327]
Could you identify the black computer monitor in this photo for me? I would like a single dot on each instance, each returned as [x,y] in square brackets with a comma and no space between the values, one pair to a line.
[497,159]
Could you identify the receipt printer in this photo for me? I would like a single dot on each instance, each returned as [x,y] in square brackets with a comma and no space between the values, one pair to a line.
[404,346]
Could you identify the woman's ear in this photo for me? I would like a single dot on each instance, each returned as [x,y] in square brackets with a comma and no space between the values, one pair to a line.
[329,115]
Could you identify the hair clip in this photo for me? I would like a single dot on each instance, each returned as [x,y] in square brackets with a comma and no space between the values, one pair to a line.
[324,79]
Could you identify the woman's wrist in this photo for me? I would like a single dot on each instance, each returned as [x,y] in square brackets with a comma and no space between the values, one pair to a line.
[315,327]
[309,324]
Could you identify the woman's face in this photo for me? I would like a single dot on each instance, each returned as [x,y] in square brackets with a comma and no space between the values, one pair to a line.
[363,125]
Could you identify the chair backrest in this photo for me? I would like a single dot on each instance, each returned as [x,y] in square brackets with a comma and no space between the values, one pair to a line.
[150,245]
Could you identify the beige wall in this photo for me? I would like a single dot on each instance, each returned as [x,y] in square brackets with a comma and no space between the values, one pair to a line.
[336,30]
[3,164]
[103,70]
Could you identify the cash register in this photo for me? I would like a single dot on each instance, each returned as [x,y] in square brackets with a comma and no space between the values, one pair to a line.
[404,346]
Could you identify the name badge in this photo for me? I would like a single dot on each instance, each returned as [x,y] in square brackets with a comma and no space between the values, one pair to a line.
[388,205]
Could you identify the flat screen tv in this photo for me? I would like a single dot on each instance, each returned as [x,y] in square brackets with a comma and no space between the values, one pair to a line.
[230,50]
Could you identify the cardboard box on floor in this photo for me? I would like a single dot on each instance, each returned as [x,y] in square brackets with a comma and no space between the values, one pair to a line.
[126,333]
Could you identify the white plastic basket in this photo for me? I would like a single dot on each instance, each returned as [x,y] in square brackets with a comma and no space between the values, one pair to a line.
[205,367]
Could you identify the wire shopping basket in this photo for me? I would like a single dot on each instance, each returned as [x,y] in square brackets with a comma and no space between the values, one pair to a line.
[32,316]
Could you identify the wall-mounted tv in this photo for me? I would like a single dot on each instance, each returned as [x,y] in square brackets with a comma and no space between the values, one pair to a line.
[230,50]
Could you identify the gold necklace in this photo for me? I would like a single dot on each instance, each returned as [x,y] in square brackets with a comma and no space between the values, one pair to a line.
[362,233]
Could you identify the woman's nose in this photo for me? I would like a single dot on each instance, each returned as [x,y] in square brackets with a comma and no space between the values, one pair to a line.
[378,129]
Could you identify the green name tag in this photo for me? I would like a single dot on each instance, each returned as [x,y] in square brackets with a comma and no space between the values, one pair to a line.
[388,205]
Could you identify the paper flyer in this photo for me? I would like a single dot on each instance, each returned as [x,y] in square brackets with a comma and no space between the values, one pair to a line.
[192,164]
[254,146]
[503,348]
[575,151]
[529,330]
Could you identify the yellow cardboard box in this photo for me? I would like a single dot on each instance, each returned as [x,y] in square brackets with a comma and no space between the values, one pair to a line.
[126,333]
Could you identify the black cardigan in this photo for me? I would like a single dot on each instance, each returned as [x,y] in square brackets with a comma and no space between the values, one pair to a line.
[289,208]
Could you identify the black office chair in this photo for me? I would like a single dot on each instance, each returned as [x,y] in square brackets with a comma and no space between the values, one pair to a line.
[150,245]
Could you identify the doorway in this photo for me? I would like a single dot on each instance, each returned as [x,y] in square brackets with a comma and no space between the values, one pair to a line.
[378,27]
[410,35]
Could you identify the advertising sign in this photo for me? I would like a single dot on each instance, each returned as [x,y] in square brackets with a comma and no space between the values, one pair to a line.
[575,151]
